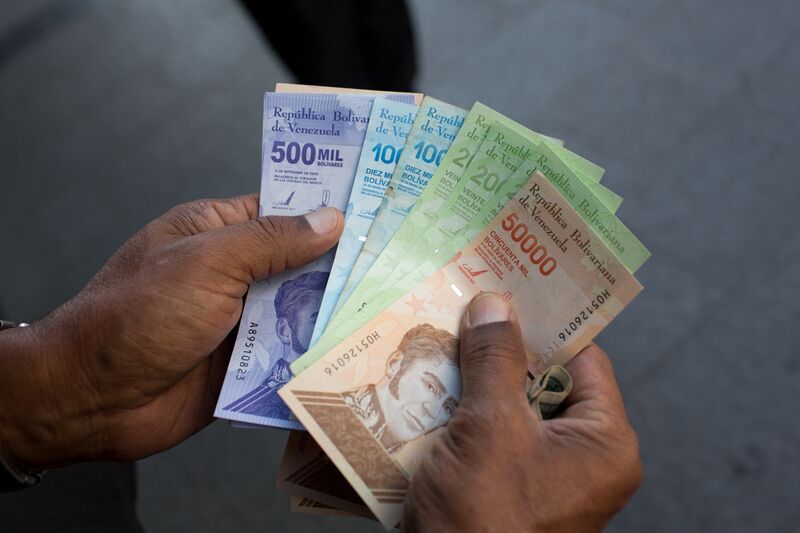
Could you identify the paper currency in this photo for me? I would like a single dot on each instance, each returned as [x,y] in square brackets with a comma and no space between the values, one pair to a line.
[324,89]
[298,504]
[316,486]
[408,249]
[433,201]
[502,165]
[306,471]
[434,130]
[425,213]
[431,204]
[311,147]
[389,125]
[488,186]
[547,392]
[375,402]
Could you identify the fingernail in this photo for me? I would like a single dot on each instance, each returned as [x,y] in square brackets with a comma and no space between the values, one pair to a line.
[323,220]
[487,308]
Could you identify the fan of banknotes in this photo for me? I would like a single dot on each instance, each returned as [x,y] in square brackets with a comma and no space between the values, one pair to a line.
[357,352]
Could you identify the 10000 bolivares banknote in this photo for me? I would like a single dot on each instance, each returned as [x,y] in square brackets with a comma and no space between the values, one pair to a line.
[310,150]
[388,129]
[434,130]
[541,255]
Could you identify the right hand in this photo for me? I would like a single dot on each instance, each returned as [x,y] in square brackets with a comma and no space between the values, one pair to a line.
[499,468]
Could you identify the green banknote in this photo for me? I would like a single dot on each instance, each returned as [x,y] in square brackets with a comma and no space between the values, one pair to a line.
[487,187]
[488,184]
[408,248]
[428,206]
[501,158]
[458,227]
[492,177]
[503,164]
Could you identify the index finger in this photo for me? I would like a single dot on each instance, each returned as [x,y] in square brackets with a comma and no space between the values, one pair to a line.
[595,390]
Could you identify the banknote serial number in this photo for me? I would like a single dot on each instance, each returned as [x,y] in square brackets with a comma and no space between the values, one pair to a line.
[584,315]
[246,354]
[352,353]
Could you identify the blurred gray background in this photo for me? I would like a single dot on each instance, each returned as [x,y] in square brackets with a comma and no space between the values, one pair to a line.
[111,112]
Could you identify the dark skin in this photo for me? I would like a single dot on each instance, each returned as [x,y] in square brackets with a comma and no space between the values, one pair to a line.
[499,468]
[133,365]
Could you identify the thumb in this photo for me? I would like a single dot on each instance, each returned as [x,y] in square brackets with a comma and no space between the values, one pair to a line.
[493,363]
[265,246]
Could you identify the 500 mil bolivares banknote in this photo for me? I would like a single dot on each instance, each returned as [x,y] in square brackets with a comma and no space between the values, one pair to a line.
[376,401]
[388,129]
[310,150]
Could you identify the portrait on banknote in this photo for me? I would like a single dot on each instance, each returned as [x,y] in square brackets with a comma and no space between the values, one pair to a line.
[296,306]
[355,400]
[417,394]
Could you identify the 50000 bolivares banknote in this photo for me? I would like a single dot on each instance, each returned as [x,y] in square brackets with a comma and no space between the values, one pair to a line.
[375,402]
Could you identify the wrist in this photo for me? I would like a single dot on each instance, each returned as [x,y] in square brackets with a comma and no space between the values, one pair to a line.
[48,416]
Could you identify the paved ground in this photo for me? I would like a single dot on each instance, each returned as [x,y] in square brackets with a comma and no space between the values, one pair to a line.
[110,112]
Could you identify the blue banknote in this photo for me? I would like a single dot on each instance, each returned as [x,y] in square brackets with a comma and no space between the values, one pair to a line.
[310,150]
[432,133]
[387,131]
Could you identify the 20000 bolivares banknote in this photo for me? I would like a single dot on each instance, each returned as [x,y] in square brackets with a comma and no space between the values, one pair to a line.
[376,401]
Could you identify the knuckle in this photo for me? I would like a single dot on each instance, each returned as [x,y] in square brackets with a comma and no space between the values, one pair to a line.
[595,351]
[276,235]
[493,341]
[463,429]
[483,427]
[434,482]
[465,440]
[191,217]
[273,231]
[632,462]
[635,476]
[497,413]
[625,466]
[627,483]
[599,357]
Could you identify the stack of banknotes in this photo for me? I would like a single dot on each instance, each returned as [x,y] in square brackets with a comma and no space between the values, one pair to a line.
[357,352]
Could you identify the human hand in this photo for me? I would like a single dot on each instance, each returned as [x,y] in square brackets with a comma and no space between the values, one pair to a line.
[133,364]
[499,468]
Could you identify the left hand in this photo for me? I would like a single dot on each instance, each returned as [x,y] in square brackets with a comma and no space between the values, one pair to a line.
[133,364]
